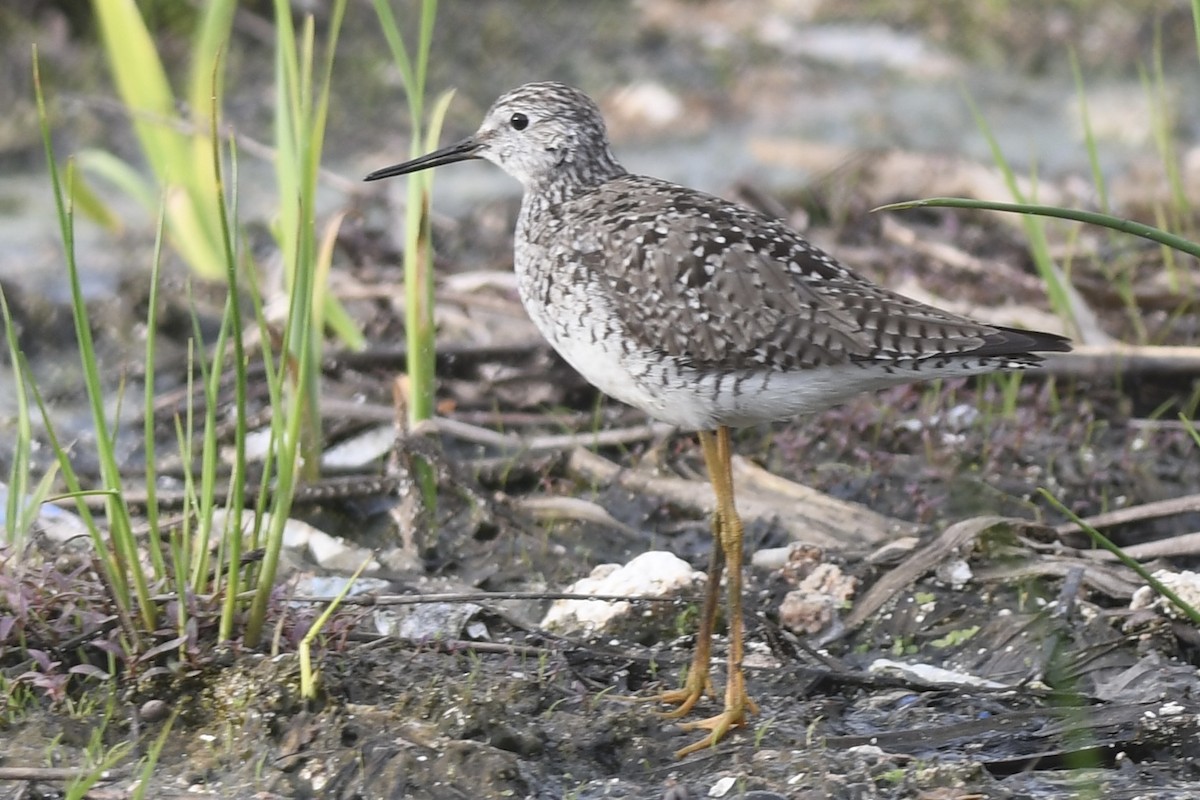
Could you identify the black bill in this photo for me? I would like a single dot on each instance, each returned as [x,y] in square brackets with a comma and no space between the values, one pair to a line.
[465,150]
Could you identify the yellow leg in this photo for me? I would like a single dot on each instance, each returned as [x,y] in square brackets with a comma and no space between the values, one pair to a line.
[718,457]
[699,676]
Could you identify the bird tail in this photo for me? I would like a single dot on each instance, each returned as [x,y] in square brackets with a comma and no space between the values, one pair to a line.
[1014,342]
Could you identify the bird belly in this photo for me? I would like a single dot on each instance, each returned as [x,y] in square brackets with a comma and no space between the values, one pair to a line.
[693,399]
[744,399]
[690,399]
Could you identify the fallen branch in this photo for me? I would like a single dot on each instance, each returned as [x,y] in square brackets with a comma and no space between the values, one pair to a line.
[805,514]
[1104,361]
[1160,508]
[958,536]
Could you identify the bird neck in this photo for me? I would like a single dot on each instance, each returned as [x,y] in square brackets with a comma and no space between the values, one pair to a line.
[575,173]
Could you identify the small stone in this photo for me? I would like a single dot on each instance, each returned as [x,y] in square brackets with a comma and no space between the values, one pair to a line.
[154,710]
[653,574]
[1185,584]
[722,786]
[813,605]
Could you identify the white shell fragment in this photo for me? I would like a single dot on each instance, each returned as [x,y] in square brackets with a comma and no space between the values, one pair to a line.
[653,574]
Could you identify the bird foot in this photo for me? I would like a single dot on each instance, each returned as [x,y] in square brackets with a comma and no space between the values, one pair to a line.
[684,698]
[738,705]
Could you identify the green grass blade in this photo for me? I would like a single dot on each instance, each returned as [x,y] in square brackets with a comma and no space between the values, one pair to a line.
[145,91]
[333,314]
[1189,425]
[1090,217]
[206,78]
[39,494]
[1162,125]
[1196,24]
[141,81]
[436,117]
[237,478]
[419,279]
[107,167]
[183,535]
[287,434]
[206,84]
[429,9]
[18,474]
[210,379]
[395,42]
[127,566]
[418,257]
[1089,137]
[295,432]
[301,116]
[148,432]
[308,676]
[105,555]
[1143,573]
[1051,276]
[419,300]
[150,761]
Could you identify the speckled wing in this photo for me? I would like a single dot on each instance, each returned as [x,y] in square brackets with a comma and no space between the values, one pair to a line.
[721,287]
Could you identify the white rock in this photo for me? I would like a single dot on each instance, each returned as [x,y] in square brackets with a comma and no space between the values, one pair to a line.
[330,552]
[653,574]
[1185,584]
[932,674]
[722,787]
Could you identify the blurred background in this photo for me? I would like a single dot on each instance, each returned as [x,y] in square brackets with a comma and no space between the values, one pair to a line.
[705,92]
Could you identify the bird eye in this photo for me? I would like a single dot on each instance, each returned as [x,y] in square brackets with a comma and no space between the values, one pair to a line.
[519,121]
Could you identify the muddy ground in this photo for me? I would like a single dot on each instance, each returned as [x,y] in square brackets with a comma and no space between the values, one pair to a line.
[1088,699]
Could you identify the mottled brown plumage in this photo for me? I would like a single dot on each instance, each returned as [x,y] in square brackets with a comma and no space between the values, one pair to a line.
[701,312]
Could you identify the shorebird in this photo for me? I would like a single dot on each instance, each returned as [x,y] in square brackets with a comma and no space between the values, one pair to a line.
[704,314]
